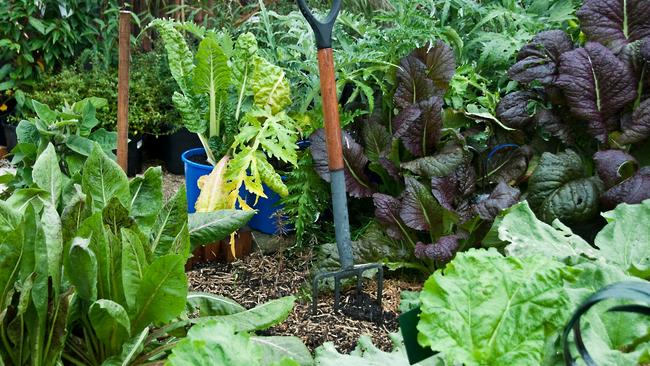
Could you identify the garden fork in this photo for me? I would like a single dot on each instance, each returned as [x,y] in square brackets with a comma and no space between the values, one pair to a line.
[323,33]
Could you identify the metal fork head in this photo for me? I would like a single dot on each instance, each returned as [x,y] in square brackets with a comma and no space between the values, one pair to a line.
[354,271]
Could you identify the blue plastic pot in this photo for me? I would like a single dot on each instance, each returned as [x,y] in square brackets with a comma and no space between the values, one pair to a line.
[193,171]
[266,220]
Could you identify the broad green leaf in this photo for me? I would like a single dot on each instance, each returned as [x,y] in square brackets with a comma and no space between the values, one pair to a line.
[44,112]
[275,349]
[26,132]
[93,229]
[106,139]
[210,227]
[25,197]
[116,216]
[209,304]
[52,229]
[88,120]
[75,211]
[11,251]
[179,56]
[58,326]
[9,218]
[191,112]
[110,323]
[213,343]
[438,165]
[561,189]
[270,85]
[162,293]
[528,236]
[487,309]
[261,317]
[625,240]
[81,269]
[146,198]
[212,77]
[103,179]
[134,265]
[47,174]
[80,145]
[169,225]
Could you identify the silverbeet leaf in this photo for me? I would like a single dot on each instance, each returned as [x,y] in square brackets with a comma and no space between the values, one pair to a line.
[597,86]
[538,60]
[561,189]
[615,23]
[614,166]
[356,181]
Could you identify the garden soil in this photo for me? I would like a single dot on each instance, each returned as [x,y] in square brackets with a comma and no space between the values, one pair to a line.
[259,278]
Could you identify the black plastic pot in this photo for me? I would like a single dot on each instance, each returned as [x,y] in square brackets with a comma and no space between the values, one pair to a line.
[174,145]
[4,117]
[135,157]
[9,135]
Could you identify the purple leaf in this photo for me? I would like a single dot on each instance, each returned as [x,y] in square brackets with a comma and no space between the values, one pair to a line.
[357,182]
[390,167]
[440,63]
[615,23]
[387,210]
[597,86]
[412,83]
[638,127]
[512,110]
[508,164]
[438,165]
[420,134]
[419,210]
[376,140]
[502,197]
[645,50]
[538,59]
[614,166]
[632,190]
[442,251]
[444,190]
[550,122]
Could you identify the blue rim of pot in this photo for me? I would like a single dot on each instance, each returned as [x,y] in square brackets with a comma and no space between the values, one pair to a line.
[194,152]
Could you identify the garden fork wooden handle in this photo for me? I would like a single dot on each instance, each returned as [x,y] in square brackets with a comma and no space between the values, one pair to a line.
[323,33]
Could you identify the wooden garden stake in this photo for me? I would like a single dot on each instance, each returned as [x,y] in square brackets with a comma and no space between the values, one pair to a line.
[123,90]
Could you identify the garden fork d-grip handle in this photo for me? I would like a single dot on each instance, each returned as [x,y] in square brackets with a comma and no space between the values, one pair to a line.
[323,34]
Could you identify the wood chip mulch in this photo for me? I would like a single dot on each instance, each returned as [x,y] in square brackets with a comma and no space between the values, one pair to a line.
[259,278]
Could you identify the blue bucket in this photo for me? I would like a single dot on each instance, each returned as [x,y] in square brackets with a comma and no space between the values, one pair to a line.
[266,219]
[193,171]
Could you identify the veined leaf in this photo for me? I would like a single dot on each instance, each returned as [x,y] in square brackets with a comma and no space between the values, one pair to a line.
[178,53]
[103,179]
[47,174]
[170,223]
[134,264]
[208,304]
[261,317]
[270,85]
[111,323]
[615,23]
[210,227]
[162,292]
[146,198]
[81,268]
[214,189]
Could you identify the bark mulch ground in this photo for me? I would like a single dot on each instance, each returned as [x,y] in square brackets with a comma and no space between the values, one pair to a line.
[260,278]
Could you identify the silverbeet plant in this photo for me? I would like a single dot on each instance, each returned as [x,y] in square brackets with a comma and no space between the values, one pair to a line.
[235,101]
[430,195]
[92,268]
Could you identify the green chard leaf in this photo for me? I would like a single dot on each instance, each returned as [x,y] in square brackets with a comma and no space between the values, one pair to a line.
[103,179]
[486,309]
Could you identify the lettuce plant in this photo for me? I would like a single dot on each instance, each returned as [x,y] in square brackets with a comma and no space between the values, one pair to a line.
[235,101]
[485,308]
[92,265]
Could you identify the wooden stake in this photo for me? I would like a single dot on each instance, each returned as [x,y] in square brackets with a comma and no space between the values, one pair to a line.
[123,90]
